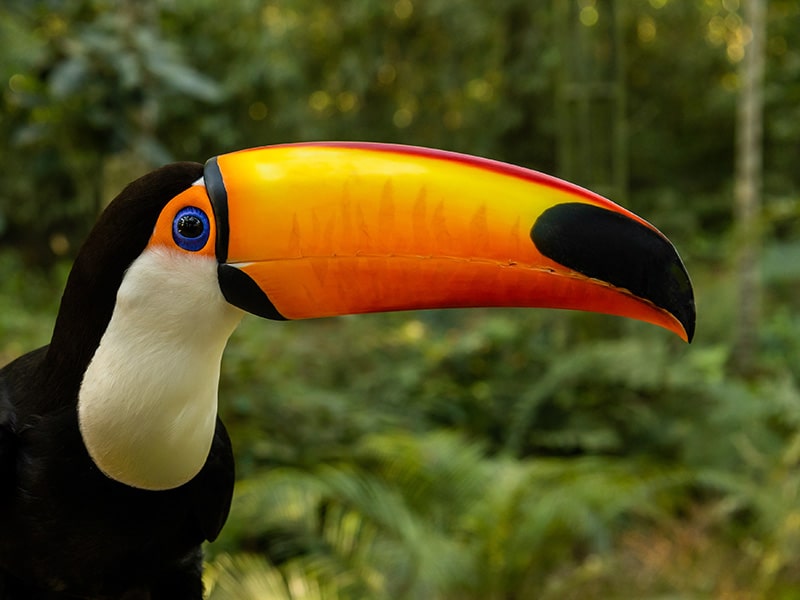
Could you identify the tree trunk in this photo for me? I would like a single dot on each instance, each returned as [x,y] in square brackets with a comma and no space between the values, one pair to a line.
[748,189]
[591,104]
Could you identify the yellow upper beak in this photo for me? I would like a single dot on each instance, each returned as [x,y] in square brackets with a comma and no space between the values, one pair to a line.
[311,230]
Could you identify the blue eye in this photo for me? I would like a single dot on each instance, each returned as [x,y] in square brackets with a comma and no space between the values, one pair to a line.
[190,229]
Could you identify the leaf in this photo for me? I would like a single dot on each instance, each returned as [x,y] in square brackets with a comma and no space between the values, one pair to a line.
[186,80]
[68,77]
[249,577]
[781,262]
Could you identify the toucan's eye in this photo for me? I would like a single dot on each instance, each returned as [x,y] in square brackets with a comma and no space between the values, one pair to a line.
[190,229]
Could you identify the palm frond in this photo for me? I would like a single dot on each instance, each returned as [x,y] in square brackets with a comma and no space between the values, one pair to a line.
[249,577]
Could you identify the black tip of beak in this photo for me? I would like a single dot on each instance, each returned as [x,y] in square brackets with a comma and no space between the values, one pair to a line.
[614,248]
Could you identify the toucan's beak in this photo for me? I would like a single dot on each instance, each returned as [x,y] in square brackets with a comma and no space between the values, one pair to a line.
[320,229]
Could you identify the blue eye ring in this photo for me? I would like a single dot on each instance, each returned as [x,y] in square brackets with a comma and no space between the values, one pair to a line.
[190,229]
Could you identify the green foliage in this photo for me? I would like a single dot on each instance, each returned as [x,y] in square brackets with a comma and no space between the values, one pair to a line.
[86,84]
[28,304]
[431,516]
[569,456]
[249,577]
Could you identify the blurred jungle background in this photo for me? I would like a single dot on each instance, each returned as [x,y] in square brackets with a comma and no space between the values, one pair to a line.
[486,454]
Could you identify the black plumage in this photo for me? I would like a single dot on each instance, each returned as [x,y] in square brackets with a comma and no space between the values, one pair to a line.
[66,530]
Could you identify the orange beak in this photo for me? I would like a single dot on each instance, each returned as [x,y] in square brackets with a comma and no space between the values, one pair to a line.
[321,229]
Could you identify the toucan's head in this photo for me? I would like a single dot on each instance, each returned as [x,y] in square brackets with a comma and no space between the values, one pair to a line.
[320,229]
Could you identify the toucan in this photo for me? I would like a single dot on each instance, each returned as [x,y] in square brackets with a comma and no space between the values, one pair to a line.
[114,466]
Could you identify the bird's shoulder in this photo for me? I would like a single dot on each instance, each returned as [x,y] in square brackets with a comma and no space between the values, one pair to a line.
[212,488]
[8,437]
[16,378]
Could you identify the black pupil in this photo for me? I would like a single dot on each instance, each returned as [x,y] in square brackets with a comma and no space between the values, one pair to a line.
[190,226]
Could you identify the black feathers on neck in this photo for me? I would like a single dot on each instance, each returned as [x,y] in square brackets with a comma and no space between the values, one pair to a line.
[118,238]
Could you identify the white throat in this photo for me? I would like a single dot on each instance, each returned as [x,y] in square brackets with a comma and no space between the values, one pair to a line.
[147,405]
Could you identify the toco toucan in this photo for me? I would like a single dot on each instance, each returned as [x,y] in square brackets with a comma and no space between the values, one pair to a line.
[114,467]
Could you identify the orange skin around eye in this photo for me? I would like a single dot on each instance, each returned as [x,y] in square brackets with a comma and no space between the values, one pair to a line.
[162,234]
